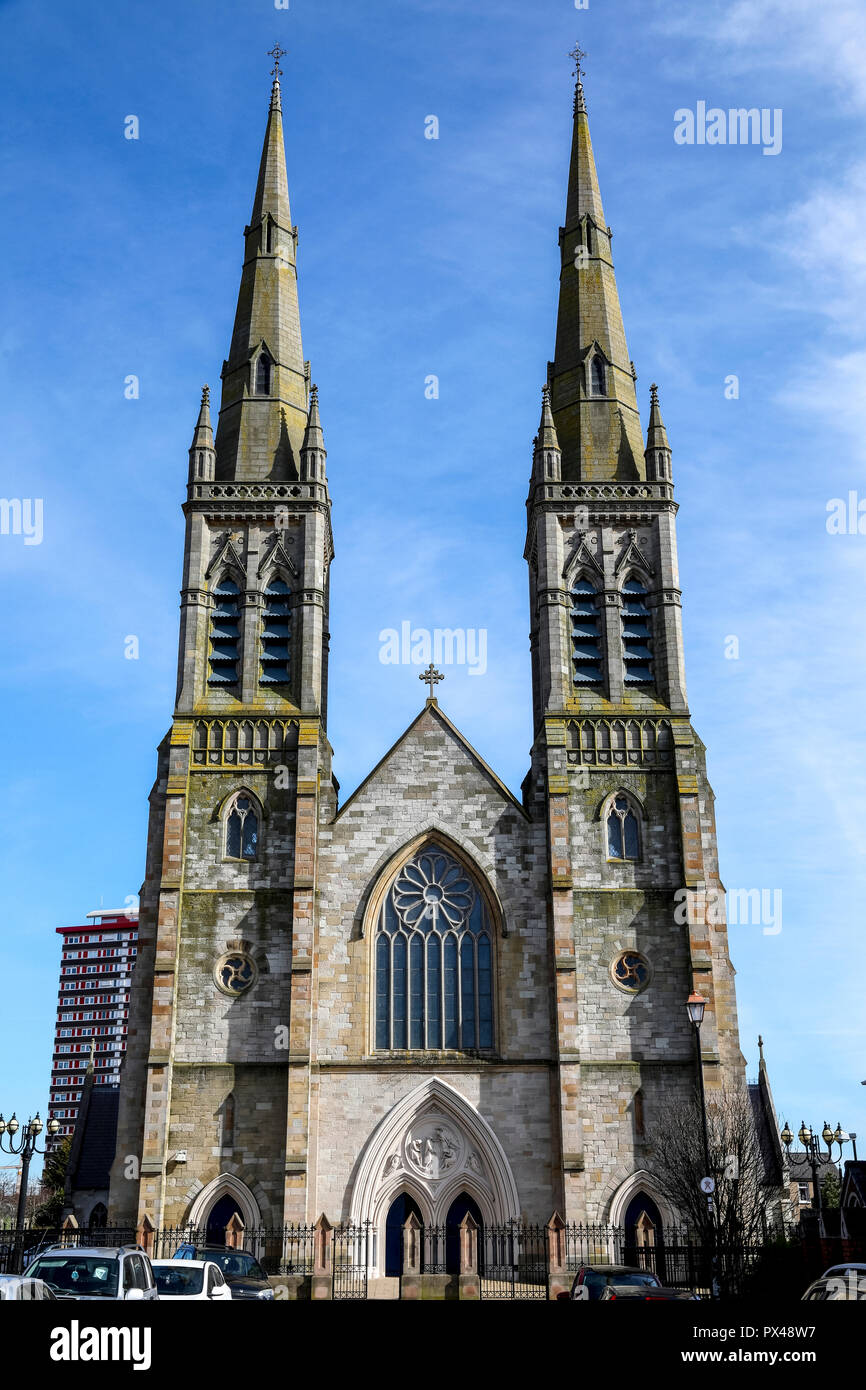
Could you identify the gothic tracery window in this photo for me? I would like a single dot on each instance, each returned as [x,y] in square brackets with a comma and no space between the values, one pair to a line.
[434,958]
[623,838]
[242,828]
[598,376]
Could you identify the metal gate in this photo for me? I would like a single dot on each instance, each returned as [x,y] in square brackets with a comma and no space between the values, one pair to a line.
[512,1261]
[350,1250]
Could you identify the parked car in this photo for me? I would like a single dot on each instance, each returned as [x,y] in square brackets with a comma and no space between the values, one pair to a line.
[94,1272]
[590,1280]
[190,1280]
[18,1286]
[243,1273]
[646,1293]
[845,1283]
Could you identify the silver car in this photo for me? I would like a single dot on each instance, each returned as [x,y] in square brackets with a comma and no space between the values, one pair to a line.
[96,1272]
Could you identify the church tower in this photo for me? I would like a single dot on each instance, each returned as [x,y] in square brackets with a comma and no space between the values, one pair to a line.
[617,769]
[228,894]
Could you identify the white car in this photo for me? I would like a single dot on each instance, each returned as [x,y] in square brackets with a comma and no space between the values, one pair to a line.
[88,1272]
[845,1283]
[16,1286]
[190,1280]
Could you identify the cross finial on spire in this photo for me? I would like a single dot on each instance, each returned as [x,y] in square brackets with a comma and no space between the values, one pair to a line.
[654,393]
[205,395]
[277,53]
[431,677]
[577,55]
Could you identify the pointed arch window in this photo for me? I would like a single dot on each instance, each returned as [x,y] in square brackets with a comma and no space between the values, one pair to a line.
[585,633]
[434,959]
[227,1123]
[225,633]
[623,830]
[598,376]
[637,648]
[263,375]
[241,828]
[276,634]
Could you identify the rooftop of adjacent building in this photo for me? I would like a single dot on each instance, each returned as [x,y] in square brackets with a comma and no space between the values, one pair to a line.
[102,918]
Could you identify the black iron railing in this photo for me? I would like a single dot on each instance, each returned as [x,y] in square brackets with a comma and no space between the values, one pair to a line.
[350,1255]
[513,1261]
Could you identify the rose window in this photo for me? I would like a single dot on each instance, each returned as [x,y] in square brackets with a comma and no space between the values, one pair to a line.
[235,972]
[631,971]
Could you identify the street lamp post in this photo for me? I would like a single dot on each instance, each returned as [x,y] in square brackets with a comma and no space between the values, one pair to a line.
[695,1006]
[812,1147]
[26,1147]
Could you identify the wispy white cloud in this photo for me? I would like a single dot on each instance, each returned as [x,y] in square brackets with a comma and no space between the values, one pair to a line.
[762,35]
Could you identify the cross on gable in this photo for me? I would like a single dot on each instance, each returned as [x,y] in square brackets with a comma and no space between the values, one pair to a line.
[431,677]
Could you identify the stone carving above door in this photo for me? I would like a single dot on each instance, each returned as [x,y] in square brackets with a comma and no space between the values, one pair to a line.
[433,1144]
[432,1148]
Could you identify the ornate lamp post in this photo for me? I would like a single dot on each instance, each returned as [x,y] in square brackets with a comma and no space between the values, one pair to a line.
[813,1153]
[26,1147]
[695,1004]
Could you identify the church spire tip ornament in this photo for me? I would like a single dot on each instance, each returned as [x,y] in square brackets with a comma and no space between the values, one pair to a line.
[276,73]
[577,54]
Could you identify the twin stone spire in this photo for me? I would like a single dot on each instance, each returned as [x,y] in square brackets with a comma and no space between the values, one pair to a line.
[590,426]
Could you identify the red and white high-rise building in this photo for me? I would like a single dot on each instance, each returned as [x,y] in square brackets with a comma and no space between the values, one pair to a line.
[92,1008]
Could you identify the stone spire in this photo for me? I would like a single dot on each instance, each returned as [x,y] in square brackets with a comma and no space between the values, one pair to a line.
[201,451]
[264,394]
[547,457]
[591,379]
[658,450]
[313,451]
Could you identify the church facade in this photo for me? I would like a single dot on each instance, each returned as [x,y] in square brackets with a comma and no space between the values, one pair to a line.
[436,996]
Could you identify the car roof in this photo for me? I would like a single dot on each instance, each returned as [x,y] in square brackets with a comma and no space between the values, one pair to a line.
[620,1269]
[841,1267]
[220,1250]
[187,1264]
[102,1252]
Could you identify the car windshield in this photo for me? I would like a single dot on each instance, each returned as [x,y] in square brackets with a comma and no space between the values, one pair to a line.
[234,1265]
[596,1280]
[178,1281]
[84,1276]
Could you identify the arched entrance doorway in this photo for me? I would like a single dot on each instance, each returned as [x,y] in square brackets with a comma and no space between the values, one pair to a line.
[644,1241]
[219,1217]
[456,1212]
[98,1216]
[399,1211]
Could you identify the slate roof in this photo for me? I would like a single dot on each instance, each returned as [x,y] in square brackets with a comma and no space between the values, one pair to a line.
[95,1138]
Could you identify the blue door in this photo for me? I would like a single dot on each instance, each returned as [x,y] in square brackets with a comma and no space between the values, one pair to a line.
[398,1212]
[456,1212]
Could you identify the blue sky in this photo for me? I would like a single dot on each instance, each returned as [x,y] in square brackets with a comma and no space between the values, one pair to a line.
[423,257]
